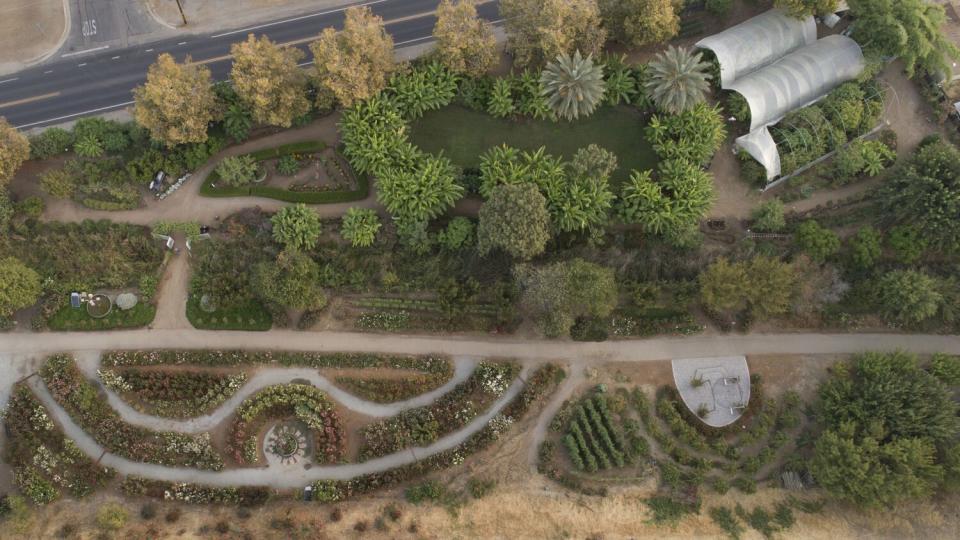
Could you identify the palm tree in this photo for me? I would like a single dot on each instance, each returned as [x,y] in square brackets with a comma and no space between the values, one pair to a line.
[573,86]
[678,79]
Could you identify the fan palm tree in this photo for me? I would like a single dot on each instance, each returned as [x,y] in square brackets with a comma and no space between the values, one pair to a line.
[573,86]
[678,79]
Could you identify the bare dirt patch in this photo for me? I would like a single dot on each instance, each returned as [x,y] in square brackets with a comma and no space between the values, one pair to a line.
[29,30]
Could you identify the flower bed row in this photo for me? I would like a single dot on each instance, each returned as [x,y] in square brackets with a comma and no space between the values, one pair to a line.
[426,364]
[195,493]
[539,384]
[90,411]
[306,403]
[180,394]
[380,390]
[44,461]
[450,412]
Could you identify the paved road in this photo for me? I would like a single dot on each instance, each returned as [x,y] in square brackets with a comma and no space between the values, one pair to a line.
[96,80]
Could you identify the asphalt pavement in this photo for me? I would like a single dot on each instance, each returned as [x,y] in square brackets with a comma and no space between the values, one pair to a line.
[96,80]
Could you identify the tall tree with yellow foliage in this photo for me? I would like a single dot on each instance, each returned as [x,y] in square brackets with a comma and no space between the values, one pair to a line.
[14,150]
[640,22]
[269,81]
[354,64]
[465,42]
[540,30]
[177,102]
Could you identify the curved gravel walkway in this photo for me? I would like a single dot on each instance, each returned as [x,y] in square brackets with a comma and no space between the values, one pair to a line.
[89,363]
[275,477]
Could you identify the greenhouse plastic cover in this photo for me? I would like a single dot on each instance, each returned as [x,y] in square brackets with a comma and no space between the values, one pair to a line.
[759,144]
[799,78]
[756,42]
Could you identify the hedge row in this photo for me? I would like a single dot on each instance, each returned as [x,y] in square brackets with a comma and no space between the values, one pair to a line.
[427,364]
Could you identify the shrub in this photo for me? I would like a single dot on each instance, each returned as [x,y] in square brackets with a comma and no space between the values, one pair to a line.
[479,487]
[946,368]
[727,520]
[288,165]
[429,491]
[668,510]
[148,511]
[745,485]
[238,170]
[768,217]
[719,8]
[112,517]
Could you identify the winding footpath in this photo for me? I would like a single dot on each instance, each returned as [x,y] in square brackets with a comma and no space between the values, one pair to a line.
[280,477]
[89,363]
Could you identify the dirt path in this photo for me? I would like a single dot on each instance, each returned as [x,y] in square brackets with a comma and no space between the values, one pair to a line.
[173,290]
[575,376]
[188,205]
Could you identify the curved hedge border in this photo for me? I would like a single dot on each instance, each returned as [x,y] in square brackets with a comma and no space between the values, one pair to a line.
[280,194]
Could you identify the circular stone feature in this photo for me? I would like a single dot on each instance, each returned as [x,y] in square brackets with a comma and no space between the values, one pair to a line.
[207,304]
[99,306]
[286,443]
[126,301]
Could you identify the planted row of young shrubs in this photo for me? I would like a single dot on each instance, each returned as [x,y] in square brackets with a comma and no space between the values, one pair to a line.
[195,493]
[79,398]
[450,412]
[306,403]
[540,383]
[179,394]
[45,463]
[592,440]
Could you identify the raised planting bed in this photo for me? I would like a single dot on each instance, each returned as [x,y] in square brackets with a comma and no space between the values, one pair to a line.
[172,394]
[327,159]
[449,413]
[80,399]
[389,390]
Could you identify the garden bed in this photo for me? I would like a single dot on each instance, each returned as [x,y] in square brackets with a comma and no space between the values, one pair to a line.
[71,319]
[463,135]
[47,463]
[80,399]
[250,315]
[450,412]
[172,394]
[335,166]
[214,358]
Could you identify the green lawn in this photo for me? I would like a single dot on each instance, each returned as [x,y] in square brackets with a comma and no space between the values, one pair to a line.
[69,318]
[463,134]
[248,316]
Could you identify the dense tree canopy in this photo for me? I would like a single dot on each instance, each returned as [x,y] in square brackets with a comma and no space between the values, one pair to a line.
[907,296]
[925,193]
[354,63]
[558,293]
[269,81]
[763,285]
[14,150]
[884,419]
[465,42]
[420,192]
[804,8]
[909,29]
[640,22]
[293,280]
[514,219]
[816,241]
[573,85]
[296,227]
[672,202]
[360,226]
[539,30]
[177,103]
[19,286]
